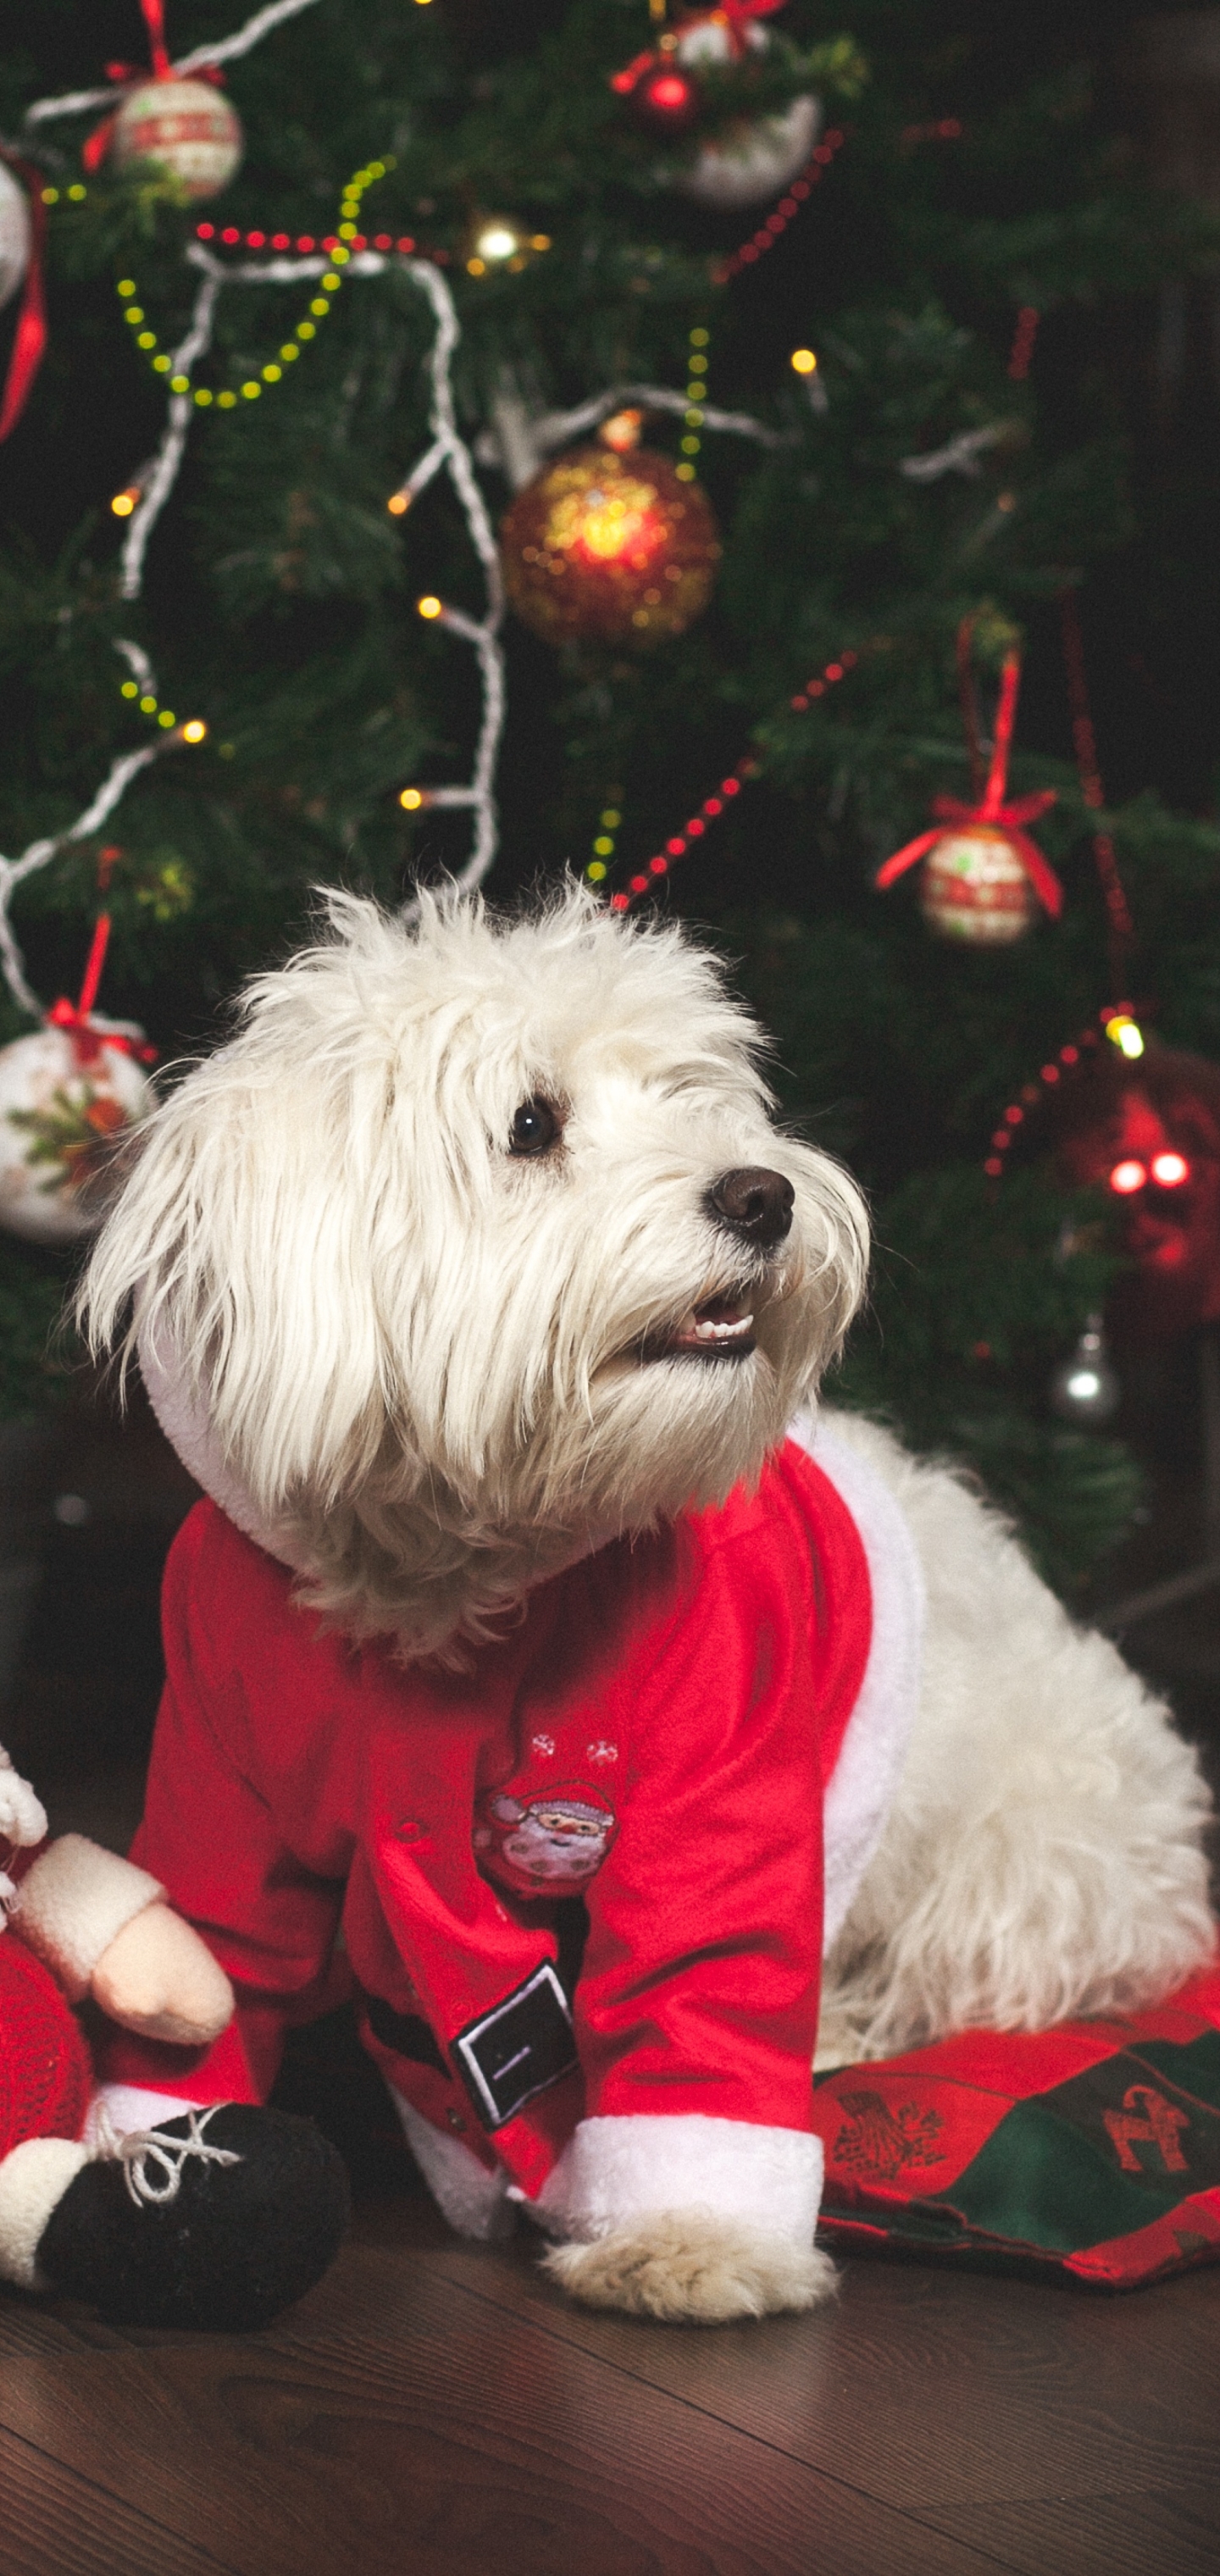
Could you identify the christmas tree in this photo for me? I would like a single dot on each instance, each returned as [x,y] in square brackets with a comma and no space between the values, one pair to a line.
[870,280]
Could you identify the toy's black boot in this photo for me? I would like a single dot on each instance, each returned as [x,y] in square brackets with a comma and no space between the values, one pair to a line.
[217,2220]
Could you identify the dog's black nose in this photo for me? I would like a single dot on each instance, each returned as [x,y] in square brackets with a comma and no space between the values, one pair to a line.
[754,1203]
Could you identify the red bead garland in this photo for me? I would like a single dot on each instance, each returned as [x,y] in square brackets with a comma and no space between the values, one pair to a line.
[232,239]
[748,767]
[1023,340]
[790,204]
[1084,740]
[1014,1115]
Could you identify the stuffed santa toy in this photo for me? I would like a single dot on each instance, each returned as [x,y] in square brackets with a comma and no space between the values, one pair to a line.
[136,2224]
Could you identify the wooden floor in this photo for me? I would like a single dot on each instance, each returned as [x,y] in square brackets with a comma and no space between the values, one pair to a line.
[435,2408]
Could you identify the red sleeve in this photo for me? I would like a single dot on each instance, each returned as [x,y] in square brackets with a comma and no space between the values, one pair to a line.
[211,1839]
[700,1985]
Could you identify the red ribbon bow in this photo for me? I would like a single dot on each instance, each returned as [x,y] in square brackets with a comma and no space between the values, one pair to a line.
[993,810]
[735,16]
[30,337]
[74,1017]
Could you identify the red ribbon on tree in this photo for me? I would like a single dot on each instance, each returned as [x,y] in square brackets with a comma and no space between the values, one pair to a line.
[75,1017]
[995,809]
[30,336]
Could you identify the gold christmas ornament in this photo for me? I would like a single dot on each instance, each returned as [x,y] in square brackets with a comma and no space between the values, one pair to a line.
[610,545]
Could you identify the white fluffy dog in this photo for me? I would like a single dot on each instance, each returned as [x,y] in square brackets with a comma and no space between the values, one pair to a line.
[477,1248]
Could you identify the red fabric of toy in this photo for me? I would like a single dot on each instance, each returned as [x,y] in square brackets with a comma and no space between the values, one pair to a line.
[44,2064]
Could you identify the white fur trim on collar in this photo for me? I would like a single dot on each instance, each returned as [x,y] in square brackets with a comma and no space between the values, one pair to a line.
[874,1747]
[183,1417]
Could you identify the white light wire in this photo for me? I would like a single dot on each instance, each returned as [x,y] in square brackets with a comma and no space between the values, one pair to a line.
[164,473]
[226,49]
[123,768]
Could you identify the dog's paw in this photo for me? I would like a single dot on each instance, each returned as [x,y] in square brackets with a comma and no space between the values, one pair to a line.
[688,2267]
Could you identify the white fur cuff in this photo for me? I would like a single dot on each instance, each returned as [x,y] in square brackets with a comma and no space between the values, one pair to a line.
[74,1901]
[33,2180]
[614,2171]
[474,2201]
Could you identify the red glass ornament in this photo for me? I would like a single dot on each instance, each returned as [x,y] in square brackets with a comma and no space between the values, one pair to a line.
[1148,1133]
[667,98]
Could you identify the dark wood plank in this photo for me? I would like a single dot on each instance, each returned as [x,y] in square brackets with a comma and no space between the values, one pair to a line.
[1113,2535]
[921,2384]
[399,2425]
[55,2523]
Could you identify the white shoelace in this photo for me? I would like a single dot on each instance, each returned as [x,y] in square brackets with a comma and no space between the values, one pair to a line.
[140,2148]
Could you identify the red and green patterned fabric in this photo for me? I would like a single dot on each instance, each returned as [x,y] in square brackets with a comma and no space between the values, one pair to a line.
[1090,2152]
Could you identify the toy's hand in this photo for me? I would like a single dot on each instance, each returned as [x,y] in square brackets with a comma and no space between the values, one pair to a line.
[158,1978]
[22,1816]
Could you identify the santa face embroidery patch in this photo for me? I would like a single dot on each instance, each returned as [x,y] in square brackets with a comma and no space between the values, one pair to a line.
[546,1842]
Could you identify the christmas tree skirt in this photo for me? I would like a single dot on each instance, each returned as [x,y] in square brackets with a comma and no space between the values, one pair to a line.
[1088,2154]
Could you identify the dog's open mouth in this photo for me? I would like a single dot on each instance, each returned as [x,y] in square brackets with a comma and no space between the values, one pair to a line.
[720,1328]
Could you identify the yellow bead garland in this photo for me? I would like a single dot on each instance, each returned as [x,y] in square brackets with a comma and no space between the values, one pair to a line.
[193,731]
[696,395]
[306,329]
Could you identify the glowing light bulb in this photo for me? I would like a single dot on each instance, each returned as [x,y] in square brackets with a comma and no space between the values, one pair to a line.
[195,731]
[1170,1170]
[124,502]
[1125,1033]
[412,798]
[429,606]
[398,504]
[1126,1177]
[804,361]
[1084,1387]
[496,241]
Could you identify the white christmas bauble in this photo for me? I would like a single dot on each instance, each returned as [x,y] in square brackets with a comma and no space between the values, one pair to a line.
[756,156]
[187,126]
[58,1115]
[14,234]
[974,889]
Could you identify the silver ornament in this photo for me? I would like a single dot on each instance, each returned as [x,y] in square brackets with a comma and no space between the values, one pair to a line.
[755,157]
[1084,1388]
[14,234]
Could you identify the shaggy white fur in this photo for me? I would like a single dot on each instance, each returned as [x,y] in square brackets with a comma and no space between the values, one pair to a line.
[1044,1855]
[418,1354]
[427,1370]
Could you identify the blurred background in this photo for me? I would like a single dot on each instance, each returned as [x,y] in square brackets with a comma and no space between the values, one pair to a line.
[904,319]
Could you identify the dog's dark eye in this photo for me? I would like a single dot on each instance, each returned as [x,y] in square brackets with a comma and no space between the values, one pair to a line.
[534,1129]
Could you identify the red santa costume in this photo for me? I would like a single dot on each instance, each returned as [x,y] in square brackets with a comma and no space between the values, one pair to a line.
[583,1888]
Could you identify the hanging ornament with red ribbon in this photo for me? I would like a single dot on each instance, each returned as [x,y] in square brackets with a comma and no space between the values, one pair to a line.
[983,877]
[754,157]
[23,220]
[66,1094]
[184,127]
